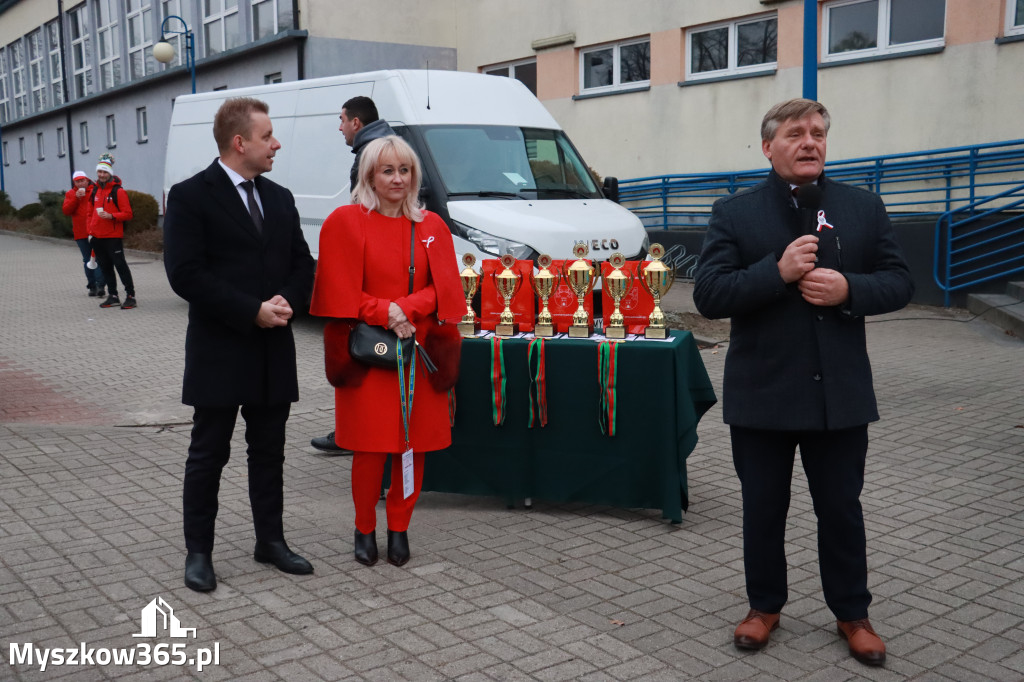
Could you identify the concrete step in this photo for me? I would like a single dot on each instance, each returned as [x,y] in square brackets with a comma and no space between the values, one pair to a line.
[1015,289]
[1002,310]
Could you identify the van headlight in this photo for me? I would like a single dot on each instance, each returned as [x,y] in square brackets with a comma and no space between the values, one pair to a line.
[497,246]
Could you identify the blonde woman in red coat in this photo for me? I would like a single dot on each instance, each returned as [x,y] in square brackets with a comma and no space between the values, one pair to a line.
[363,275]
[78,206]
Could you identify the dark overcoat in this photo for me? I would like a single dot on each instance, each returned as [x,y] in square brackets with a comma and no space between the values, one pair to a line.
[792,365]
[218,262]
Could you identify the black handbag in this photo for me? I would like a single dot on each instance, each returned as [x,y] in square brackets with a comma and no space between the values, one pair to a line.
[376,346]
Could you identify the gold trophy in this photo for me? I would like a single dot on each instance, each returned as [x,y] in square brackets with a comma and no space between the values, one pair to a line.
[507,282]
[580,278]
[618,284]
[470,324]
[544,283]
[657,279]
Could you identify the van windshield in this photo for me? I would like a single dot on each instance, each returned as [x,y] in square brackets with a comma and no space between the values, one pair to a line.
[477,160]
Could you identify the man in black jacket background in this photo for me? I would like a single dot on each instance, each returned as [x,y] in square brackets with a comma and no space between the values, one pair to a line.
[233,249]
[796,263]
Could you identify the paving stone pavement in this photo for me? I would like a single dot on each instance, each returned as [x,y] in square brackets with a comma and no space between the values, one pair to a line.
[92,450]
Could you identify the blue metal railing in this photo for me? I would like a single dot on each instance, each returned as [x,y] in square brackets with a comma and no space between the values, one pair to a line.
[914,184]
[980,242]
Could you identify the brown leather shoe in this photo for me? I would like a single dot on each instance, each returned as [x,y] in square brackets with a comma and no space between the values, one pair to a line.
[755,629]
[866,646]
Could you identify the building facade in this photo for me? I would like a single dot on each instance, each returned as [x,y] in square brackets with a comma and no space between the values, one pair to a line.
[643,88]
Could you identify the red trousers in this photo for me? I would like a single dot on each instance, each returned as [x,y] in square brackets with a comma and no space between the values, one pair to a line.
[367,474]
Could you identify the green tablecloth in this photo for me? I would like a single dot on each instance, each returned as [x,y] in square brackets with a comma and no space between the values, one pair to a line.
[663,390]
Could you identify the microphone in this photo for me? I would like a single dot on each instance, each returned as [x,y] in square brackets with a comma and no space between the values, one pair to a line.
[808,198]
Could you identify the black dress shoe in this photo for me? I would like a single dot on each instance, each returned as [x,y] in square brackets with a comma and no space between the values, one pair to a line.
[398,547]
[284,559]
[327,444]
[199,574]
[366,548]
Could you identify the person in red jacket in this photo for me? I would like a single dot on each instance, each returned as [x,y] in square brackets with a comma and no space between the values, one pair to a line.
[78,205]
[106,225]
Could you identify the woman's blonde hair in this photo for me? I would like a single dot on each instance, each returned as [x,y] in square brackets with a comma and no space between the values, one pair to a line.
[370,159]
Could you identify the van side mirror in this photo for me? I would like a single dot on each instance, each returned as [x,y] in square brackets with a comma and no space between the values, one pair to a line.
[611,188]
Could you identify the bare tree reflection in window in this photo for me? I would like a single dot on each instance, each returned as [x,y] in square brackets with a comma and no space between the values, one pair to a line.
[709,50]
[757,42]
[635,62]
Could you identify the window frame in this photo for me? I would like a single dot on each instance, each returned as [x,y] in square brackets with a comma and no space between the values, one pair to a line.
[83,137]
[273,78]
[55,62]
[78,20]
[1012,28]
[732,67]
[175,39]
[37,79]
[62,142]
[19,93]
[616,85]
[21,150]
[111,131]
[221,19]
[144,13]
[5,92]
[6,154]
[40,147]
[141,125]
[111,63]
[883,47]
[511,68]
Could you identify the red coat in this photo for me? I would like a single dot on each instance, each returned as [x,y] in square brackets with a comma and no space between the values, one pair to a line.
[79,210]
[105,228]
[363,267]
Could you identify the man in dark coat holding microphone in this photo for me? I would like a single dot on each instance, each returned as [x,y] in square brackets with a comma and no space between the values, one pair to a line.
[796,262]
[234,250]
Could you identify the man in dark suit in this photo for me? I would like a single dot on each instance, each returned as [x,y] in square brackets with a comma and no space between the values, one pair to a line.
[797,277]
[234,250]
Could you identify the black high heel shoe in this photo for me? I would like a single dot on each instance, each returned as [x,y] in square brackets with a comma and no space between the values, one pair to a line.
[366,548]
[398,547]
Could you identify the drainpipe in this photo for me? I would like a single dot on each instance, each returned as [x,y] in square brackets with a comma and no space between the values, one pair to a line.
[811,49]
[64,86]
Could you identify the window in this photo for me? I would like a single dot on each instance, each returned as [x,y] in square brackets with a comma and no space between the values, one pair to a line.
[748,46]
[5,97]
[39,147]
[81,52]
[866,28]
[36,69]
[107,39]
[21,148]
[173,8]
[16,53]
[221,30]
[271,78]
[140,39]
[83,136]
[141,125]
[1015,17]
[53,47]
[62,142]
[7,158]
[616,67]
[524,71]
[270,17]
[111,132]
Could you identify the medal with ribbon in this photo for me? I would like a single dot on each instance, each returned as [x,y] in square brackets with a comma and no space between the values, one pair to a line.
[406,399]
[538,383]
[497,382]
[607,372]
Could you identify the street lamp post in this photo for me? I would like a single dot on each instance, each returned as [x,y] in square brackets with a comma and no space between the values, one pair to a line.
[163,51]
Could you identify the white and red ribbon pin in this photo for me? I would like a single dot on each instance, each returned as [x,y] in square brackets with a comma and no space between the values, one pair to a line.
[430,240]
[822,222]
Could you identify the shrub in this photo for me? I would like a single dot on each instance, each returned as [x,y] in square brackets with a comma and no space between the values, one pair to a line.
[60,224]
[6,207]
[29,211]
[145,212]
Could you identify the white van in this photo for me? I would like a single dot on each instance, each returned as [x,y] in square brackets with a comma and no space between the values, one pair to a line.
[496,166]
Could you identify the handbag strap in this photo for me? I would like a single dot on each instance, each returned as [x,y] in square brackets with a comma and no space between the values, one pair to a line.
[412,252]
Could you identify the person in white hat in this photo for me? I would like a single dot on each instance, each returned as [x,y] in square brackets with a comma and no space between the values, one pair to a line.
[111,209]
[78,205]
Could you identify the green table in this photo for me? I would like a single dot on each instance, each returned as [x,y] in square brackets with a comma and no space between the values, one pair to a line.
[663,390]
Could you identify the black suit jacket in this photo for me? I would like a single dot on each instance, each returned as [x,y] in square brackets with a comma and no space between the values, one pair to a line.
[217,261]
[792,365]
